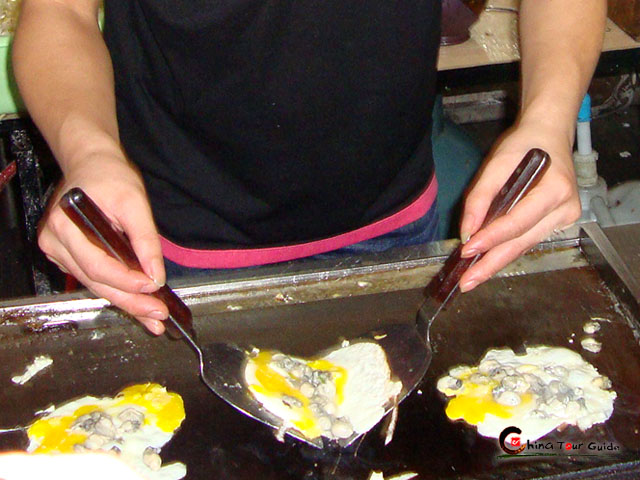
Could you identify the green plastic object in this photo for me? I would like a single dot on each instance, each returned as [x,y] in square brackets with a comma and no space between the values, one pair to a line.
[10,100]
[457,159]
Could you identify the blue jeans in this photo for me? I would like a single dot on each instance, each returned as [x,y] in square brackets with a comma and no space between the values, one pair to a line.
[423,230]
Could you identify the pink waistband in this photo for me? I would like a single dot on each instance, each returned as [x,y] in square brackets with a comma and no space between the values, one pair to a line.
[235,258]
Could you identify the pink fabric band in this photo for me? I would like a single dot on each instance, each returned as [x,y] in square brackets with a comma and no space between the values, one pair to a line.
[235,258]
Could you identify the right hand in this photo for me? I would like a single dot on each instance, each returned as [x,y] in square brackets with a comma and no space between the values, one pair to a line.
[117,188]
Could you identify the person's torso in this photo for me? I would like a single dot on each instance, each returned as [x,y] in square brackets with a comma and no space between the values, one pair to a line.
[261,122]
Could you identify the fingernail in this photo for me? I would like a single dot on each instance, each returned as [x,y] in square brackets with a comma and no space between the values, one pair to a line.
[153,326]
[469,252]
[468,285]
[466,227]
[157,314]
[156,327]
[148,288]
[157,267]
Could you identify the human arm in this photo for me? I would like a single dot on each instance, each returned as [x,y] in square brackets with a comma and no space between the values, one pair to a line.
[560,43]
[64,73]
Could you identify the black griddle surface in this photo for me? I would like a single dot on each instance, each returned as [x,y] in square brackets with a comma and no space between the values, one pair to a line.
[215,441]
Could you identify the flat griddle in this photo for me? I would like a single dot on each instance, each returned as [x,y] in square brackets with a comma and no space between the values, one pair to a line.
[543,299]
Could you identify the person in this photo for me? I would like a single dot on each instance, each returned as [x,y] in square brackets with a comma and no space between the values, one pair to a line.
[267,130]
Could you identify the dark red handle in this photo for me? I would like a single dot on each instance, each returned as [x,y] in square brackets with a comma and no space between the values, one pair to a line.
[98,229]
[523,178]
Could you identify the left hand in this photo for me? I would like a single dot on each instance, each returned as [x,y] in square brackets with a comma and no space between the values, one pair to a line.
[552,204]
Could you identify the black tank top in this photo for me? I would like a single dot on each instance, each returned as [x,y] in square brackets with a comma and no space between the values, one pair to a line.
[268,122]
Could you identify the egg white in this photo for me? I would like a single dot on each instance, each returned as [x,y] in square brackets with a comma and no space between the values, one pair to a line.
[474,403]
[163,412]
[362,398]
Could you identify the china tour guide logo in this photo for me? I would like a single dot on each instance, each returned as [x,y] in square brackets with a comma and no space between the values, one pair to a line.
[512,443]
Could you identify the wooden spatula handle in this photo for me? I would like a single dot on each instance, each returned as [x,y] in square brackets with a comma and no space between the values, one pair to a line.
[526,174]
[98,229]
[523,178]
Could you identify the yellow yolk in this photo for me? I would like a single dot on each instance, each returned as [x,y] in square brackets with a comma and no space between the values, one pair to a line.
[339,375]
[537,391]
[275,385]
[164,410]
[54,435]
[472,402]
[54,432]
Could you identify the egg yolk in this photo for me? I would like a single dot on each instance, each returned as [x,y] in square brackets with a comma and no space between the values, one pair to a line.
[54,435]
[275,385]
[163,409]
[473,402]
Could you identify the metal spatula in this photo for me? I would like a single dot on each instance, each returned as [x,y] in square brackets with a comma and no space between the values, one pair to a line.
[408,347]
[221,365]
